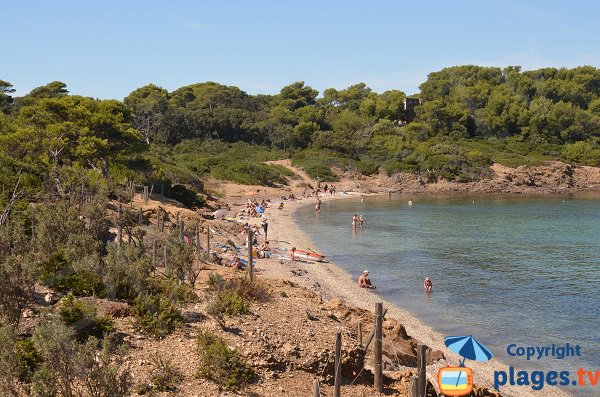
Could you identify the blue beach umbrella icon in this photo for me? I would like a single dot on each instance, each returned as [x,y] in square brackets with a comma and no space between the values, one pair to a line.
[468,348]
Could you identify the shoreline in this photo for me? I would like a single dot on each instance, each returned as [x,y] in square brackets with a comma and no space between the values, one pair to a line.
[330,281]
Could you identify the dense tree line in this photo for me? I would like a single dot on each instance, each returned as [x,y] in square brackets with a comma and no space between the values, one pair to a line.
[55,146]
[470,116]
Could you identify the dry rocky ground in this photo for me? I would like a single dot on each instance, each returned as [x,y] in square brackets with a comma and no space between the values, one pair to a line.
[289,339]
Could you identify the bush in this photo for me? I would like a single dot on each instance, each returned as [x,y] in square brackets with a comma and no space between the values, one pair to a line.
[126,272]
[186,195]
[10,366]
[82,316]
[228,303]
[73,369]
[220,364]
[248,173]
[582,153]
[233,297]
[172,290]
[367,167]
[58,273]
[163,376]
[16,289]
[156,315]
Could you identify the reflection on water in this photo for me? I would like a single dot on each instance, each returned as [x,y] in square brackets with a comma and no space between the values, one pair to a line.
[509,269]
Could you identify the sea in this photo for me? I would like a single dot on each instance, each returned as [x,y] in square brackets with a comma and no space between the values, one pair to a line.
[511,270]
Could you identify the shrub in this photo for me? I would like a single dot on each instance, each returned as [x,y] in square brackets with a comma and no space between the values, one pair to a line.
[58,273]
[156,315]
[16,289]
[249,173]
[185,195]
[10,367]
[163,376]
[172,290]
[54,340]
[367,167]
[220,364]
[582,153]
[233,297]
[82,316]
[228,303]
[126,272]
[28,357]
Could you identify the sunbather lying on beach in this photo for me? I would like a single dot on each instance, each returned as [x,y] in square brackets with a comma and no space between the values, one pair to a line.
[236,263]
[364,281]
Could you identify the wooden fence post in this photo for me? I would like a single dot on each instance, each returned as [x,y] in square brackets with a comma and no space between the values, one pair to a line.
[422,369]
[198,241]
[360,333]
[414,387]
[140,217]
[378,384]
[165,256]
[208,240]
[250,240]
[146,194]
[177,220]
[181,227]
[154,259]
[316,388]
[372,333]
[162,221]
[338,365]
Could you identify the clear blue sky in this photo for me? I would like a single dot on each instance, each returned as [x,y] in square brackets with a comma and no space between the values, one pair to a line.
[106,48]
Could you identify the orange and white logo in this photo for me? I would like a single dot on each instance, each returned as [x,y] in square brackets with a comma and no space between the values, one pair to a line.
[455,381]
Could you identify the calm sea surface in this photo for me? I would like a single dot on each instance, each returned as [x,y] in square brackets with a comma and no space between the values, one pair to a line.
[506,269]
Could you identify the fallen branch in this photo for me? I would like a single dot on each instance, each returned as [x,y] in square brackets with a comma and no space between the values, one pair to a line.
[8,209]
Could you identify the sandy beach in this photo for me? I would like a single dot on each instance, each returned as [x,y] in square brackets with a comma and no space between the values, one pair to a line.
[330,281]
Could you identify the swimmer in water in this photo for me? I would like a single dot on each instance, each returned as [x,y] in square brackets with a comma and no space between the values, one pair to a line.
[410,203]
[354,222]
[361,222]
[427,285]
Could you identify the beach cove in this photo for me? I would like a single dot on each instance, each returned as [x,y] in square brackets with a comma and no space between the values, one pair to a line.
[332,281]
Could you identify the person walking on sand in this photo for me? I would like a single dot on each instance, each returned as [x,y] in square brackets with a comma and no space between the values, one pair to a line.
[361,221]
[293,253]
[265,224]
[427,285]
[354,222]
[364,281]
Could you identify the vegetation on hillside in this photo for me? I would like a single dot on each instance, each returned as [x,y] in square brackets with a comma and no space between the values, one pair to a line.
[65,160]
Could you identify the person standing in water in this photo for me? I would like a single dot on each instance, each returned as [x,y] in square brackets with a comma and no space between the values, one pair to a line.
[361,221]
[410,203]
[427,285]
[354,222]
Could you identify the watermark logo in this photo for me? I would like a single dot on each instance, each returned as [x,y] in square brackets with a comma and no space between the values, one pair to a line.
[458,381]
[455,381]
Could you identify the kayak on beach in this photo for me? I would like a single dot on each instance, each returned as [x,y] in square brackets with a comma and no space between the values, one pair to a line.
[313,256]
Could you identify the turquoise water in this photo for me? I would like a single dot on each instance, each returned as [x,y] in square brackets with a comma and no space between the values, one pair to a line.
[506,269]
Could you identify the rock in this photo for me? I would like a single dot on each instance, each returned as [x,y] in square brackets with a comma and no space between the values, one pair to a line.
[50,298]
[433,356]
[112,308]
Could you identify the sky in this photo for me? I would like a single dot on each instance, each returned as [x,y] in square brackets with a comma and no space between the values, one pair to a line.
[106,49]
